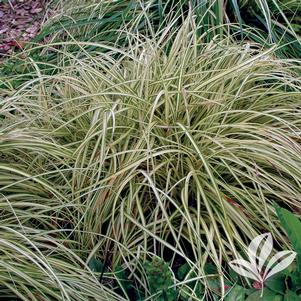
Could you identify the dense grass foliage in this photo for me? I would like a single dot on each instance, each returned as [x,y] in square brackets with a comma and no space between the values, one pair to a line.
[170,146]
[84,24]
[264,21]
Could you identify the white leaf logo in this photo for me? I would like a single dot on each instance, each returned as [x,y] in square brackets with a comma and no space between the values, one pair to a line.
[258,267]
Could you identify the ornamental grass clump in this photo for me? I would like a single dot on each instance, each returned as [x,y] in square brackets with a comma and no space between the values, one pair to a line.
[267,22]
[170,147]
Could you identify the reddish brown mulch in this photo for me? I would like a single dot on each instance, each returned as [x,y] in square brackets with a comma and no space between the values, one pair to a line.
[20,21]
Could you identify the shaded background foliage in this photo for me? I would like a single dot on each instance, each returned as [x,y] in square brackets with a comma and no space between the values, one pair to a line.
[147,135]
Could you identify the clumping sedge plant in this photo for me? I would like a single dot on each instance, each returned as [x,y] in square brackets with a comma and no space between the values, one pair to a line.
[171,146]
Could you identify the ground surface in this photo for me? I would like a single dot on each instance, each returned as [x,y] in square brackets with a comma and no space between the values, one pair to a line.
[20,21]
